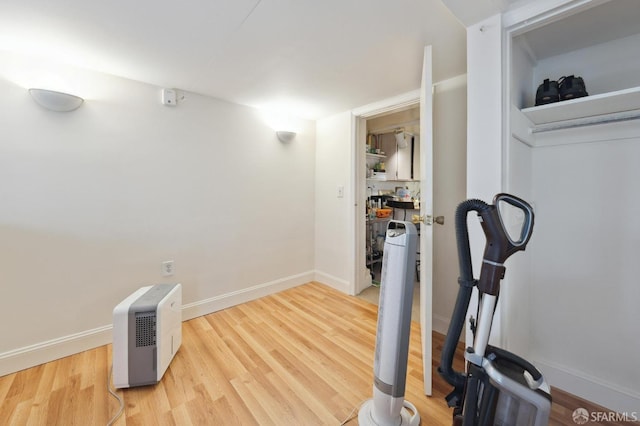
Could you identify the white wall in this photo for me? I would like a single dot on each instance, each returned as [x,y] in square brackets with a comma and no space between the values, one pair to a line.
[484,132]
[599,65]
[586,194]
[484,100]
[584,302]
[94,200]
[334,234]
[517,286]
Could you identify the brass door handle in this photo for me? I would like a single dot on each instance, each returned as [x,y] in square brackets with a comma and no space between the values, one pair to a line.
[429,220]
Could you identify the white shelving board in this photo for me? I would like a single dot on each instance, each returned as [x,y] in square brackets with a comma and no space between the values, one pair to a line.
[606,107]
[371,155]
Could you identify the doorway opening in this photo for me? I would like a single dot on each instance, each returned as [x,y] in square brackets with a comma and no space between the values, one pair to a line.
[449,185]
[442,135]
[391,177]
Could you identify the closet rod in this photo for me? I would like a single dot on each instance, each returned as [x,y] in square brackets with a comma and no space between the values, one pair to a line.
[588,121]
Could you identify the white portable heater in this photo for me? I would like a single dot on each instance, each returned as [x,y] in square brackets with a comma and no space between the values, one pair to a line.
[388,406]
[147,332]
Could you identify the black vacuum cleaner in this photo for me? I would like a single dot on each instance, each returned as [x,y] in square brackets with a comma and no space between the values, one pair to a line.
[498,387]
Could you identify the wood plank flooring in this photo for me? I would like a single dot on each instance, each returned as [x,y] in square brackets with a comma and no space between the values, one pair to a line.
[300,357]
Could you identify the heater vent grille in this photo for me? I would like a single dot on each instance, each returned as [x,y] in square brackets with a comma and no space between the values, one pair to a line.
[145,329]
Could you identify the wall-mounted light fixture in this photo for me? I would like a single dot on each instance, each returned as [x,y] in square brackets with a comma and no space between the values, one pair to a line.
[56,101]
[285,136]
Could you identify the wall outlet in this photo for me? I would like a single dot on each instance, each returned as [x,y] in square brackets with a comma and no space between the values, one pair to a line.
[168,268]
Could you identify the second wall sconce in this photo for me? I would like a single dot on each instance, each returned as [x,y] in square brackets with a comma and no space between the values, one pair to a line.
[285,136]
[56,101]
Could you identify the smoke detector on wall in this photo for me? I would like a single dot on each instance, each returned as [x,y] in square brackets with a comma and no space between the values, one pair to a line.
[169,97]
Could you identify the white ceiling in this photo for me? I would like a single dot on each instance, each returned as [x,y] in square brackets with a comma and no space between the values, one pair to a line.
[314,58]
[470,12]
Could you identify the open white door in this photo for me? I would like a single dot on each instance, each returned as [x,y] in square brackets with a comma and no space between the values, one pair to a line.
[426,211]
[426,205]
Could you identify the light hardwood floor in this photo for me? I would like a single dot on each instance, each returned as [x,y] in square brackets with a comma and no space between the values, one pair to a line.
[300,357]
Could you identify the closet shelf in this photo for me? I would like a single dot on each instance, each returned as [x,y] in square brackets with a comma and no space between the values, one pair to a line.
[371,155]
[602,108]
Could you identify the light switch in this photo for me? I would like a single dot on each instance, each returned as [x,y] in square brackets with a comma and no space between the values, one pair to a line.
[340,192]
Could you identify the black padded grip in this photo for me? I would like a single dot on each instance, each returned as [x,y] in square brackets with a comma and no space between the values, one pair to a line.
[514,359]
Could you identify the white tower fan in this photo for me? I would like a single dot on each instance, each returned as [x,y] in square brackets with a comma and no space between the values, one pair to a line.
[388,406]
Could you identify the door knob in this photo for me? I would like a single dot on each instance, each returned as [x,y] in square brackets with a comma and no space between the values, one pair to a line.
[429,220]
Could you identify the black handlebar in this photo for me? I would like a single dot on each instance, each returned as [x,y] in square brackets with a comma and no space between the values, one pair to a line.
[500,245]
[501,354]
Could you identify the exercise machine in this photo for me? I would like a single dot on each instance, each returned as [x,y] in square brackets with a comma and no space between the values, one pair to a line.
[498,387]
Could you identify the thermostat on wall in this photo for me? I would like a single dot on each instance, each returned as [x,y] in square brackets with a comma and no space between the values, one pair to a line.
[169,97]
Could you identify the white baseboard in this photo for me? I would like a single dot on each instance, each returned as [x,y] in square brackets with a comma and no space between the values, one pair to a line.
[32,355]
[40,353]
[333,282]
[441,324]
[213,304]
[590,388]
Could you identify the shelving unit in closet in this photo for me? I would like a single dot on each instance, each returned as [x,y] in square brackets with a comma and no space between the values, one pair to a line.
[576,160]
[566,44]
